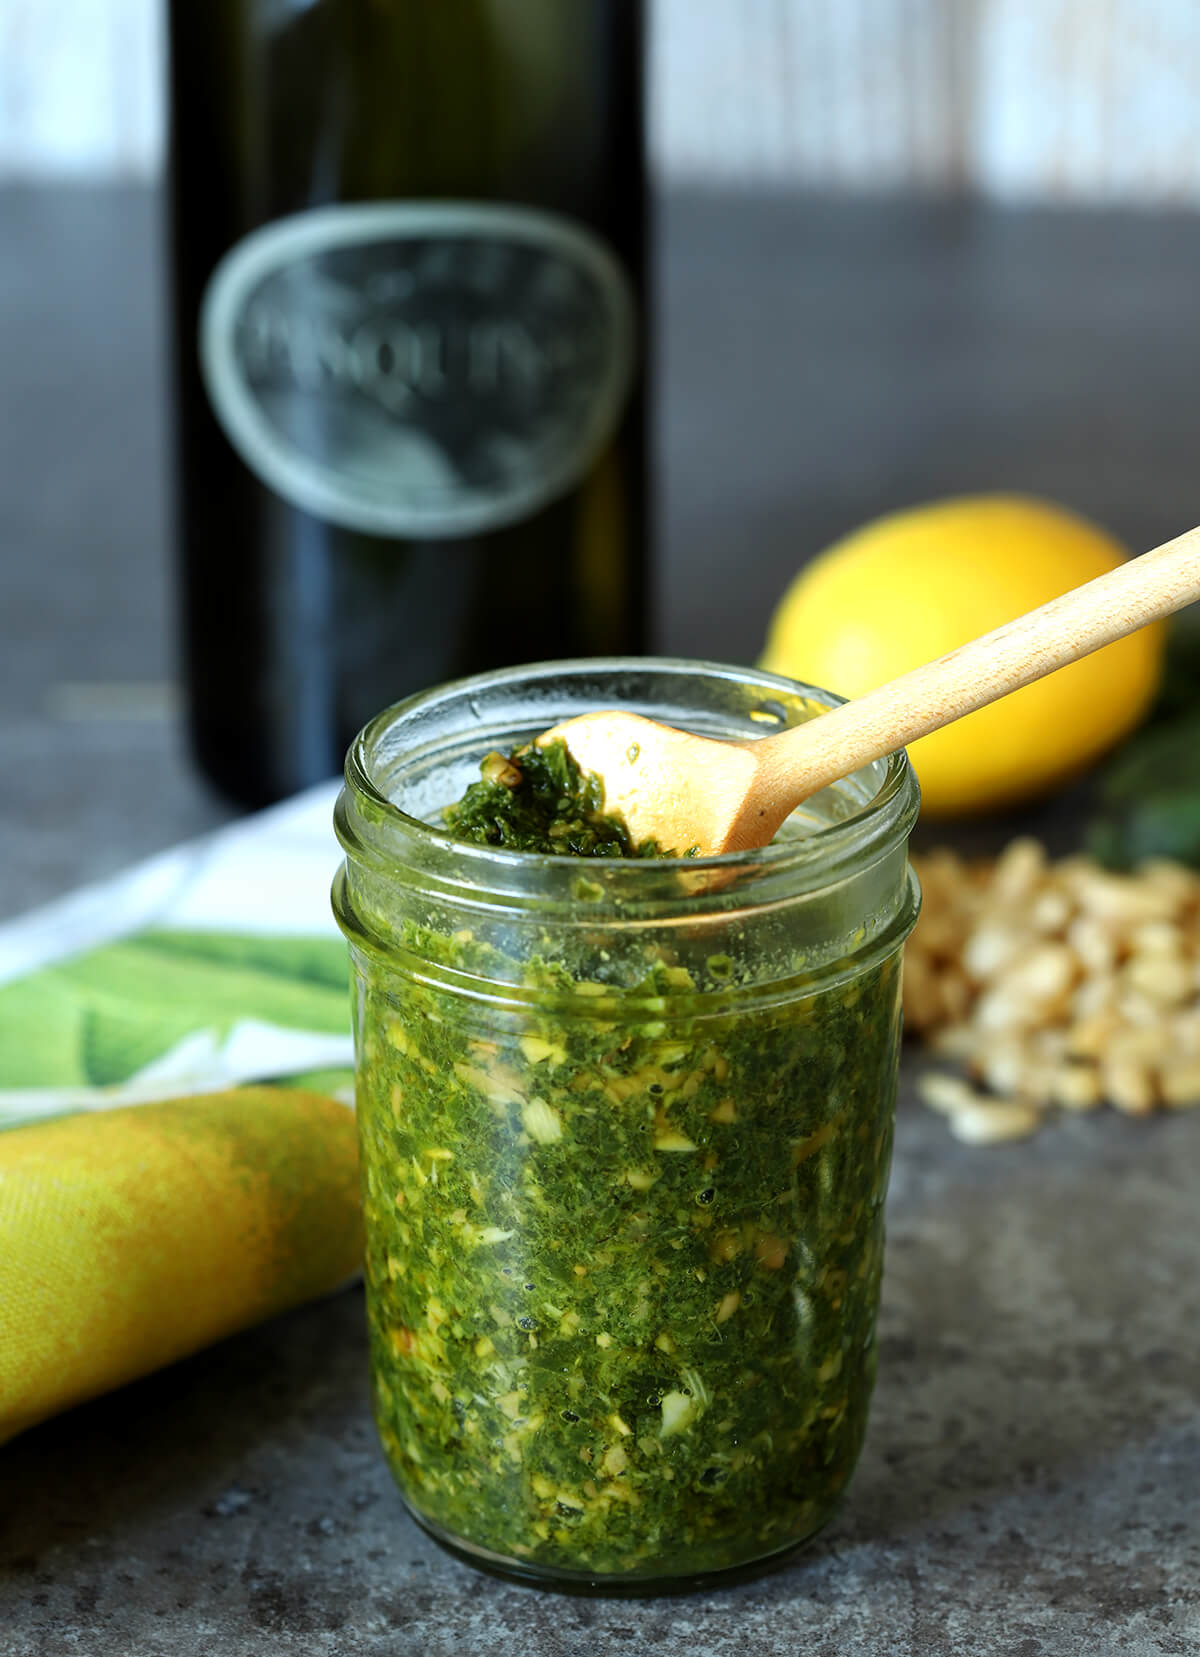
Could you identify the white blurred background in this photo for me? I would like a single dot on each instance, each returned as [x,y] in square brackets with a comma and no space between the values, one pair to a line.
[1027,100]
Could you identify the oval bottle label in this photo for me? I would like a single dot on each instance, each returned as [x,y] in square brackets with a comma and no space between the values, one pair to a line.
[418,369]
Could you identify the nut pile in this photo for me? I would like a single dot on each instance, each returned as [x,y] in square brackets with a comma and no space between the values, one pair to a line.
[1054,983]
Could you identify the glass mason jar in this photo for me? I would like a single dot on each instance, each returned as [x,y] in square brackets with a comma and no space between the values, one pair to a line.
[625,1131]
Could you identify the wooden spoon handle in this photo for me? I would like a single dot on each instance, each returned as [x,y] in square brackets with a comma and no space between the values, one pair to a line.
[1145,589]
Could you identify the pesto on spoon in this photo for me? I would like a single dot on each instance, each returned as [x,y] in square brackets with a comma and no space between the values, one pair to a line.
[538,800]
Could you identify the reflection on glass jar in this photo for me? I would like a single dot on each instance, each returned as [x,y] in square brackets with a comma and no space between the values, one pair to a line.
[625,1130]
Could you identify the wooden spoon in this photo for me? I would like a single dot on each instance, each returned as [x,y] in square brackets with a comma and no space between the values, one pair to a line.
[684,790]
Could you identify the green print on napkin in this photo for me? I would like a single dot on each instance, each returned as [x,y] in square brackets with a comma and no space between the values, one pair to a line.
[97,1019]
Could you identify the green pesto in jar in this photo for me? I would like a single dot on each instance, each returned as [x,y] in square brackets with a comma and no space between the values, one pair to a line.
[624,1246]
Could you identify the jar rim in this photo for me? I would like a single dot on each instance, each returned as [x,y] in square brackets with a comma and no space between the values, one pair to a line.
[374,829]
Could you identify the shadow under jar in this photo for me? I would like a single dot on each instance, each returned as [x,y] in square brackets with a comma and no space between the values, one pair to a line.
[625,1133]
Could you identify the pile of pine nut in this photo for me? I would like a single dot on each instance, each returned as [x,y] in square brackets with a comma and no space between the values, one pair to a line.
[1053,984]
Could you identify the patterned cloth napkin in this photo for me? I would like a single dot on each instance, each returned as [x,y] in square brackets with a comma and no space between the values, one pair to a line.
[155,1193]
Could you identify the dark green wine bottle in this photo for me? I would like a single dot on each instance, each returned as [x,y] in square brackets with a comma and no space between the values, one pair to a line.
[408,245]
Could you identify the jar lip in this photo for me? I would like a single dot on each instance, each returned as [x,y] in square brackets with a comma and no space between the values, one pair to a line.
[887,815]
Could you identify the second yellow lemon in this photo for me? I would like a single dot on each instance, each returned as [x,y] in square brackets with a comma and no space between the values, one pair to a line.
[913,585]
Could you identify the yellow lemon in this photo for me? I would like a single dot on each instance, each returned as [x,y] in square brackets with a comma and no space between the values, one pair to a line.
[913,585]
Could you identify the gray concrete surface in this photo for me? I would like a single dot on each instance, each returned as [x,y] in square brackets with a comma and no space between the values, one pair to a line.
[1029,1486]
[1031,1482]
